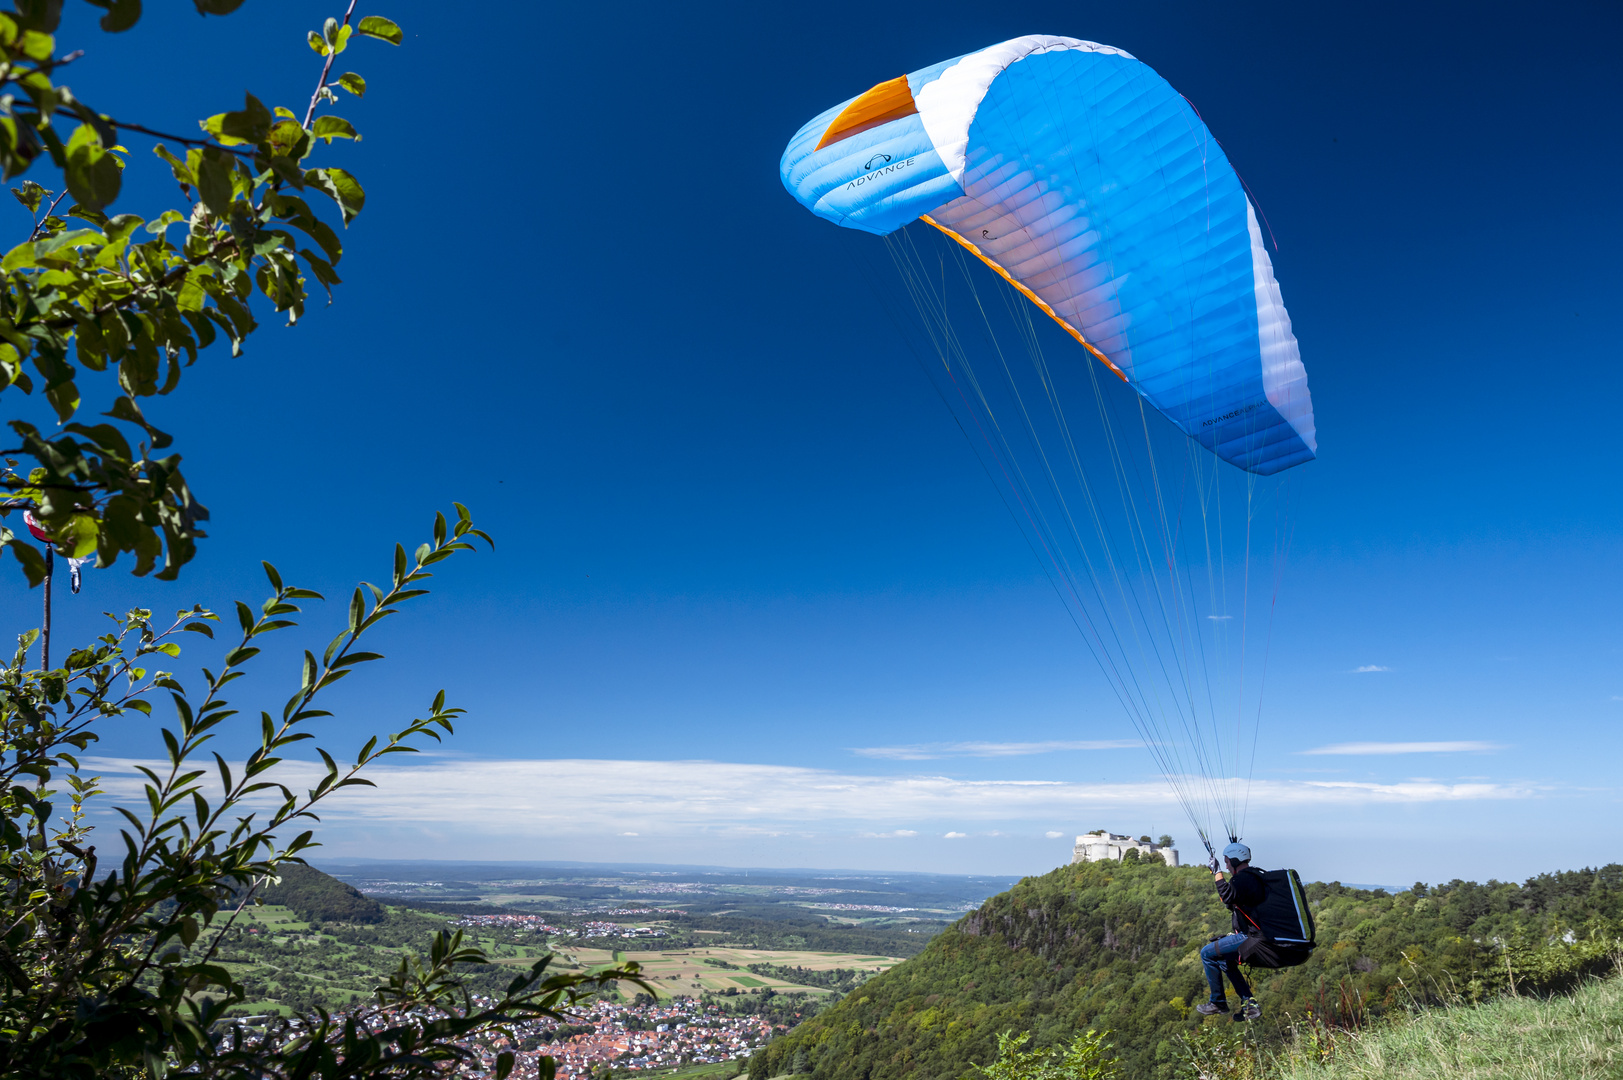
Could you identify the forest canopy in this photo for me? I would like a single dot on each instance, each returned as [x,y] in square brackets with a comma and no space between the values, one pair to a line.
[317,897]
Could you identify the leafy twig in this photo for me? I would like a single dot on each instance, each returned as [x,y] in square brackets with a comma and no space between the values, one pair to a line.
[34,235]
[326,69]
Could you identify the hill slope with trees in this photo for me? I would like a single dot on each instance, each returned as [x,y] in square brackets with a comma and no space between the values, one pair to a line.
[1113,946]
[317,897]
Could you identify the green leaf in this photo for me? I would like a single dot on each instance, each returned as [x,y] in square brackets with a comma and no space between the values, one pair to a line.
[121,14]
[317,43]
[322,269]
[182,170]
[18,258]
[376,26]
[250,124]
[216,7]
[245,616]
[214,181]
[345,190]
[169,217]
[64,398]
[286,137]
[333,127]
[76,239]
[93,174]
[35,45]
[33,563]
[32,194]
[353,83]
[193,294]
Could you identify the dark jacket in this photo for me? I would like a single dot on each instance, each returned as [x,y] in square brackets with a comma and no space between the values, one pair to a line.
[1242,892]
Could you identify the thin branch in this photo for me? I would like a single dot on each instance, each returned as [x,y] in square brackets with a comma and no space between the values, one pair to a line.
[45,67]
[15,485]
[241,904]
[178,138]
[326,69]
[34,233]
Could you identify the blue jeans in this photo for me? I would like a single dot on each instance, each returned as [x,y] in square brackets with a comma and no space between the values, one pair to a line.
[1223,957]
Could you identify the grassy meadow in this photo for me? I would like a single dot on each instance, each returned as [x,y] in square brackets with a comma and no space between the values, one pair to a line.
[1564,1037]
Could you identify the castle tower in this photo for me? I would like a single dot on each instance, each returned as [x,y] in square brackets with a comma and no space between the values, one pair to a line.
[1099,845]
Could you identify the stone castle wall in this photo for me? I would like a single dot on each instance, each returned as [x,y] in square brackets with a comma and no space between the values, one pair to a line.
[1099,846]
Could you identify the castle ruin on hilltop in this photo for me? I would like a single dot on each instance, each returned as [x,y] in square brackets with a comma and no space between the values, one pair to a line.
[1099,845]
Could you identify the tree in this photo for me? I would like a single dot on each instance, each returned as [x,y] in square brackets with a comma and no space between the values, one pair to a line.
[117,974]
[109,963]
[1086,1058]
[1165,841]
[88,292]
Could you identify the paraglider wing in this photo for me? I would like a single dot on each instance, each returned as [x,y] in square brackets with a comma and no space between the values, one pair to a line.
[1081,177]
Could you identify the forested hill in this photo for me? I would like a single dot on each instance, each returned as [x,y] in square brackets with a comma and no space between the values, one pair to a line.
[1113,946]
[317,897]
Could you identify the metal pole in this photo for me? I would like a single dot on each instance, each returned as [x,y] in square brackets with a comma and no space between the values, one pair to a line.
[45,651]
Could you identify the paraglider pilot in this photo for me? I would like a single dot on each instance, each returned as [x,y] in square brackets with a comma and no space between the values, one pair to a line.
[1241,893]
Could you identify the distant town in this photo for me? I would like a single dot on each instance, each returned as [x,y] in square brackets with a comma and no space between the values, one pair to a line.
[591,928]
[685,1032]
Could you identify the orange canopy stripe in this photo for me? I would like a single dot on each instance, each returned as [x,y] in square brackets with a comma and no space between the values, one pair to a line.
[886,102]
[1028,294]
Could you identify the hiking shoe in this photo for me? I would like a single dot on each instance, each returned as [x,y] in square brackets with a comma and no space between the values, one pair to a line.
[1250,1010]
[1212,1008]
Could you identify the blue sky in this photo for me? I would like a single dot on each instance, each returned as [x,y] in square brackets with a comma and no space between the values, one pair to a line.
[743,553]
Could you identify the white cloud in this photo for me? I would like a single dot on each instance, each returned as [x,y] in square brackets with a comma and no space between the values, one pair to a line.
[467,800]
[1371,748]
[956,835]
[1364,669]
[1220,618]
[630,834]
[931,751]
[1053,834]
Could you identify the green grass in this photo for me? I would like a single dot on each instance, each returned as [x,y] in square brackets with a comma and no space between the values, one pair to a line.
[1576,1037]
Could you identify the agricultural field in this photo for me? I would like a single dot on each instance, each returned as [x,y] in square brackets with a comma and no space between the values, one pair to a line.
[720,969]
[289,963]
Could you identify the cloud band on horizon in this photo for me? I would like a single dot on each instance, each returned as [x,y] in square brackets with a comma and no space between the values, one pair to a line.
[576,797]
[933,751]
[1354,749]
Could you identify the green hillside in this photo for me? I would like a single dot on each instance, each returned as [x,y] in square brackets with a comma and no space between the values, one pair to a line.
[1113,945]
[317,897]
[1576,1037]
